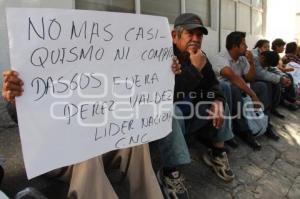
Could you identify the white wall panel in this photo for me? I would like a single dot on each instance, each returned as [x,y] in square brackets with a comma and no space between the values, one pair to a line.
[4,51]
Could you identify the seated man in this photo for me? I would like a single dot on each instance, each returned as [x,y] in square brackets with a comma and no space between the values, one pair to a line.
[290,53]
[196,91]
[261,46]
[235,67]
[265,71]
[88,179]
[288,97]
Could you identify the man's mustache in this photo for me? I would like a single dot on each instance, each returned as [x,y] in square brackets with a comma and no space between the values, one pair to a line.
[197,44]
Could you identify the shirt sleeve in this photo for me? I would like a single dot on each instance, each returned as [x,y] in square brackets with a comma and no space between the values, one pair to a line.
[246,67]
[218,63]
[265,75]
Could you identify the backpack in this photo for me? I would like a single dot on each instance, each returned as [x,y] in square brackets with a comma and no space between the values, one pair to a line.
[256,119]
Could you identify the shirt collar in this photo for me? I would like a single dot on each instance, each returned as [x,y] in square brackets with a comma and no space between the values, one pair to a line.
[228,56]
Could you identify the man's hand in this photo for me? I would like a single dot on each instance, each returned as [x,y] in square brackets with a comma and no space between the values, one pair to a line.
[256,102]
[288,69]
[249,57]
[198,59]
[176,66]
[217,113]
[12,86]
[285,81]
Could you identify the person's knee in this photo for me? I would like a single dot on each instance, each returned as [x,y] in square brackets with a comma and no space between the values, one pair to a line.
[262,86]
[235,89]
[225,86]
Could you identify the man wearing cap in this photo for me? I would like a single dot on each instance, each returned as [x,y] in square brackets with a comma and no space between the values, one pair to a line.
[198,98]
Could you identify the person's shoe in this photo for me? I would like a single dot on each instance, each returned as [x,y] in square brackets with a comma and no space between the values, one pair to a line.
[220,165]
[250,140]
[271,134]
[277,114]
[289,105]
[297,102]
[254,144]
[172,185]
[233,143]
[292,107]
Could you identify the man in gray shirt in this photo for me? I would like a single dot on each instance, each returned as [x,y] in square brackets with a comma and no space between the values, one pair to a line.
[274,78]
[234,68]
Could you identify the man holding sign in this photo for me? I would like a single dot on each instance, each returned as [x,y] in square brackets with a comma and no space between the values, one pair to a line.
[88,179]
[70,60]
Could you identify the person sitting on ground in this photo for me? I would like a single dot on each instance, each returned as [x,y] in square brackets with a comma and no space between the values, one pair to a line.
[234,67]
[263,45]
[288,96]
[275,79]
[88,179]
[290,53]
[278,47]
[192,89]
[260,46]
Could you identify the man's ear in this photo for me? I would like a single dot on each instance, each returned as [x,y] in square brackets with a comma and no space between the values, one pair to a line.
[236,46]
[174,35]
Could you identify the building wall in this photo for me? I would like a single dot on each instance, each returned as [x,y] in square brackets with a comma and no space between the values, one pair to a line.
[281,20]
[4,50]
[297,24]
[212,43]
[220,20]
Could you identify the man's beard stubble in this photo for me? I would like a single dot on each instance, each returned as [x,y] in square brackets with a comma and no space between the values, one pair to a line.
[185,56]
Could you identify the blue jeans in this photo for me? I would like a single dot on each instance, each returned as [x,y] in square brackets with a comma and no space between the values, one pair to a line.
[263,91]
[205,128]
[173,148]
[234,97]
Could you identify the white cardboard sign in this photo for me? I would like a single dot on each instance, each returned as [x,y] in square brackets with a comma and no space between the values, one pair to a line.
[93,82]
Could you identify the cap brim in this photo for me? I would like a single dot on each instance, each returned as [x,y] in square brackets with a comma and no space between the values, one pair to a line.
[193,26]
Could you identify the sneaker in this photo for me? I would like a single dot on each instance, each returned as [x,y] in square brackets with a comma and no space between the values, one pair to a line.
[233,143]
[271,134]
[172,186]
[220,165]
[289,105]
[248,138]
[276,113]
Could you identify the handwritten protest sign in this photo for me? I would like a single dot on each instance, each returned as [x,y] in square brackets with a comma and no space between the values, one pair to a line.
[94,82]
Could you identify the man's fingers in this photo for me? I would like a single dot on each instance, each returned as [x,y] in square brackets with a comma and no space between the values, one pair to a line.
[217,118]
[12,87]
[257,106]
[220,122]
[176,68]
[12,76]
[215,122]
[175,59]
[13,94]
[10,72]
[10,95]
[14,79]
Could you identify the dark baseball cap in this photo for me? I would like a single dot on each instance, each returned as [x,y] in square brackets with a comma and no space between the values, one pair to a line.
[190,21]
